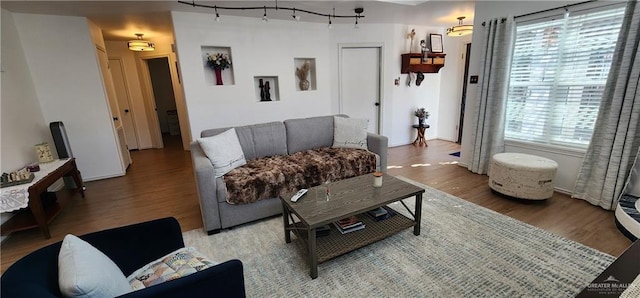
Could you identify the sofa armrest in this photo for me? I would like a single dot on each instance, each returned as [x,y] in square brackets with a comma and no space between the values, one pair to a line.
[223,280]
[138,244]
[379,144]
[206,186]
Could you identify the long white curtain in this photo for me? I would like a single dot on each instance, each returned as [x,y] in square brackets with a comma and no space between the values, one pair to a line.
[616,137]
[490,106]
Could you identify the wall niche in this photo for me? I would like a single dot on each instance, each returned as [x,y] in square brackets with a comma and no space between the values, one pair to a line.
[209,73]
[266,88]
[305,70]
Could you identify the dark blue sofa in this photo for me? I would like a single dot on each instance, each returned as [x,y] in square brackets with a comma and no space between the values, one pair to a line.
[130,247]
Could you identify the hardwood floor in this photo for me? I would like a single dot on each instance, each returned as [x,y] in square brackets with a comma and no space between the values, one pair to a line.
[161,183]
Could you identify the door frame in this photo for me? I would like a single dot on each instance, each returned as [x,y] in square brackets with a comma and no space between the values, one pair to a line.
[380,47]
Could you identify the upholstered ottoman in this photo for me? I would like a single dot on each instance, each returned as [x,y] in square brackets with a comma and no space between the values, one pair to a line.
[522,176]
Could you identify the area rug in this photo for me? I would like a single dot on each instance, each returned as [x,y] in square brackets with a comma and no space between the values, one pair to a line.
[464,250]
[455,154]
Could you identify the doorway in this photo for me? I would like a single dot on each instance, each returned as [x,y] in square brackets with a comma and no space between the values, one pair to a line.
[463,100]
[163,95]
[360,76]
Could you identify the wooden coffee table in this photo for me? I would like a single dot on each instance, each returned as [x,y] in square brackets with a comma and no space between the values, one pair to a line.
[352,196]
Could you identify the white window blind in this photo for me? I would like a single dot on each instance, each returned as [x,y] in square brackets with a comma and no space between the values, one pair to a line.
[558,73]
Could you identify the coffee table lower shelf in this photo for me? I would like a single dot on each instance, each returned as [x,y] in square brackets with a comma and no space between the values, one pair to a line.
[337,244]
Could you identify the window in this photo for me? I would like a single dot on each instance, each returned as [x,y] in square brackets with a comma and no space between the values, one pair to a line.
[558,73]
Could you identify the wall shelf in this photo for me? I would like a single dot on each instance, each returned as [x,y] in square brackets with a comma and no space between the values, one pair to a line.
[415,62]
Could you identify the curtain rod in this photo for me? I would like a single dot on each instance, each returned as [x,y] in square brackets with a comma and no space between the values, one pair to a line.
[552,9]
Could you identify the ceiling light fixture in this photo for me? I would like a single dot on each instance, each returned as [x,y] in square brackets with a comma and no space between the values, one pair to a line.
[276,7]
[264,17]
[295,17]
[140,45]
[330,26]
[217,19]
[358,11]
[460,29]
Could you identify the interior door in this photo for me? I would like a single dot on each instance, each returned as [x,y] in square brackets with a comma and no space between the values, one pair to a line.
[360,84]
[120,83]
[113,106]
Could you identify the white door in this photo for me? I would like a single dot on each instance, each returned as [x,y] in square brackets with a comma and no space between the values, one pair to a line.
[117,72]
[113,106]
[360,84]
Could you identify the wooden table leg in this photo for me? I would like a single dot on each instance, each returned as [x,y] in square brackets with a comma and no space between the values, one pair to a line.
[35,204]
[75,174]
[418,212]
[287,226]
[313,256]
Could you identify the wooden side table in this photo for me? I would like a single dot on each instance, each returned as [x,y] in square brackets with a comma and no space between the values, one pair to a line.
[420,140]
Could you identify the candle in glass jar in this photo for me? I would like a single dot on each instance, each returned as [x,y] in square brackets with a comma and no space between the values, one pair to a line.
[377,179]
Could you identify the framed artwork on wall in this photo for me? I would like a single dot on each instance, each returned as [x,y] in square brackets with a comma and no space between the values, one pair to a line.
[436,43]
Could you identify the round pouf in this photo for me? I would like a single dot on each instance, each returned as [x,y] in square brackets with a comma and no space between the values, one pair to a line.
[522,176]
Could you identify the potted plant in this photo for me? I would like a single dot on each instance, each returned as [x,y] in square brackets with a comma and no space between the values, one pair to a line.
[218,62]
[422,115]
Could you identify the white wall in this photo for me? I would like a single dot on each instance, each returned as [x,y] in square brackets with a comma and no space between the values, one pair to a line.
[569,162]
[22,122]
[258,49]
[61,57]
[118,49]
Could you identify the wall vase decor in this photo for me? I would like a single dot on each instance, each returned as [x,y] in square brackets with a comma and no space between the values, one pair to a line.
[302,74]
[218,62]
[218,72]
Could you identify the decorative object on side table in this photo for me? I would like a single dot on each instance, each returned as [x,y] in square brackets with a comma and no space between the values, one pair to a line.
[422,115]
[218,62]
[44,152]
[303,73]
[21,176]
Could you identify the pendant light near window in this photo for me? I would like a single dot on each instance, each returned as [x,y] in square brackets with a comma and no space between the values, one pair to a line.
[140,45]
[460,29]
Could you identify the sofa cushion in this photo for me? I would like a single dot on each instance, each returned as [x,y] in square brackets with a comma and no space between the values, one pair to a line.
[269,177]
[224,151]
[350,132]
[84,271]
[258,140]
[309,133]
[179,263]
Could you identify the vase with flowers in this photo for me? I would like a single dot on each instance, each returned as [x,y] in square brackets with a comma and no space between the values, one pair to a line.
[422,115]
[218,62]
[302,74]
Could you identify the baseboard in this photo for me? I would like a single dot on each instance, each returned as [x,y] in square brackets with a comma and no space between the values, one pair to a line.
[102,177]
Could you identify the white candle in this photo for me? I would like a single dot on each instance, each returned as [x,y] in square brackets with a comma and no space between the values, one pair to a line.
[377,179]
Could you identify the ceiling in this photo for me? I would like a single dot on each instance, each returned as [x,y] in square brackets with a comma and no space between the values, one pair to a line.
[119,20]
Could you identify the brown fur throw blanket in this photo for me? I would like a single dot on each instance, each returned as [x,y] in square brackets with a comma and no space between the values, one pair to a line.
[268,177]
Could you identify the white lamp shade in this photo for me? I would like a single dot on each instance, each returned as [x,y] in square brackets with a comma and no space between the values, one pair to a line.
[141,45]
[460,30]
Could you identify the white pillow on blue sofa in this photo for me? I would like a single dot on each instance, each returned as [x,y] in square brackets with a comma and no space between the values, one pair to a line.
[84,271]
[224,151]
[350,132]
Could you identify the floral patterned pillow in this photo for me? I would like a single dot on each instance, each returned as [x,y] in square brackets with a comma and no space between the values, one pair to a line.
[182,262]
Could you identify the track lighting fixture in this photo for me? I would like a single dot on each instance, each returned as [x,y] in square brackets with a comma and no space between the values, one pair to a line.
[358,11]
[330,26]
[295,15]
[264,17]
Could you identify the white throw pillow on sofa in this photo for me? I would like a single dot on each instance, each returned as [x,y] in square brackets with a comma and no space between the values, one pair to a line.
[84,271]
[350,132]
[224,151]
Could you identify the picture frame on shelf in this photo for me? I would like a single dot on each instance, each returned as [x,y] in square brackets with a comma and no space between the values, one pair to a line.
[436,43]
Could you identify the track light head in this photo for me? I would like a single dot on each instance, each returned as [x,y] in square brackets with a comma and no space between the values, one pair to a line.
[217,19]
[294,16]
[264,16]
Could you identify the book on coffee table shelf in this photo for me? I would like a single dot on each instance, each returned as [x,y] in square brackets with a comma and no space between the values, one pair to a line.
[349,224]
[323,231]
[381,213]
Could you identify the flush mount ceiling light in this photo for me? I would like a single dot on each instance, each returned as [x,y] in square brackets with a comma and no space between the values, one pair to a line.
[460,29]
[140,45]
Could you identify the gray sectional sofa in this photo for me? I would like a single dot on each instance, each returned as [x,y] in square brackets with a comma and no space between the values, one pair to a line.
[258,141]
